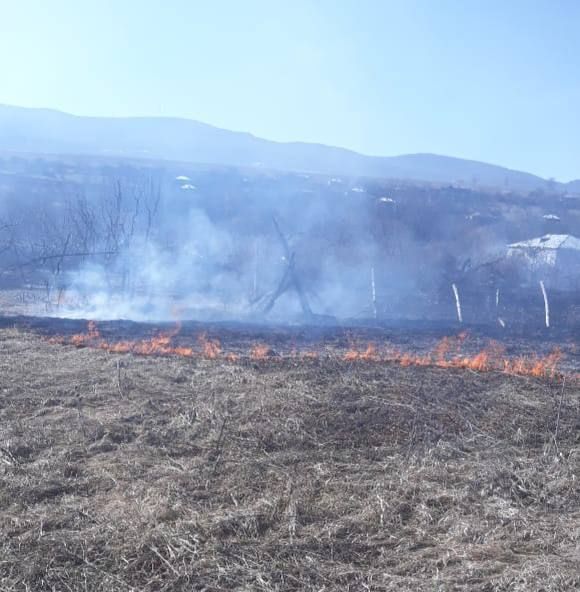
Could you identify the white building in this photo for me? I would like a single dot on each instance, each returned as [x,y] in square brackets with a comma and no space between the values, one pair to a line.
[554,258]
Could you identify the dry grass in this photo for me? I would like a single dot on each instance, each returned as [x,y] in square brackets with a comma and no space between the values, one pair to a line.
[150,474]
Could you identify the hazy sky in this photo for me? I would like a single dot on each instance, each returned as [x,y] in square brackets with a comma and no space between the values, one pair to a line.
[492,80]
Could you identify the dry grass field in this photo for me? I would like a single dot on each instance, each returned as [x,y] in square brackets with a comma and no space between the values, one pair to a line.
[120,472]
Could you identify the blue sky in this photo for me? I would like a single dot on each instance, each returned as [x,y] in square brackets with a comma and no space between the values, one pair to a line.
[491,80]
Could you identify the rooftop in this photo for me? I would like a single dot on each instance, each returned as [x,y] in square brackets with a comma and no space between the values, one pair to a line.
[549,241]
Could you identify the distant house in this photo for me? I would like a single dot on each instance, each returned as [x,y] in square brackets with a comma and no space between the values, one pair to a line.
[554,258]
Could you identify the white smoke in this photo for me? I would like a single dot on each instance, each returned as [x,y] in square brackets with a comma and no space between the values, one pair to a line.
[149,281]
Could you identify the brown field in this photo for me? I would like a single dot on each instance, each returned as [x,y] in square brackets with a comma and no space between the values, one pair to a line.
[122,472]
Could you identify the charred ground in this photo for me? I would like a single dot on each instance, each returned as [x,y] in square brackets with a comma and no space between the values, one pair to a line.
[166,473]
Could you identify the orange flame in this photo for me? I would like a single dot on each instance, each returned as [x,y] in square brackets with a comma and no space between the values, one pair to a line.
[445,354]
[259,352]
[156,345]
[210,348]
[369,354]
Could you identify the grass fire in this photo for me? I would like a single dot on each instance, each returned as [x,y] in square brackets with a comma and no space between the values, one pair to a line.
[334,360]
[238,416]
[447,353]
[139,457]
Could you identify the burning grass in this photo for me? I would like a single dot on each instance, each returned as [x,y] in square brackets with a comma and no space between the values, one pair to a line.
[126,472]
[447,353]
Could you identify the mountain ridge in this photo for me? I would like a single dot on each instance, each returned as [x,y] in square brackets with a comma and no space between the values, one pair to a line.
[51,131]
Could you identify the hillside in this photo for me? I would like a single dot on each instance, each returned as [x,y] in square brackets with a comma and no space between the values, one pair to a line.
[46,131]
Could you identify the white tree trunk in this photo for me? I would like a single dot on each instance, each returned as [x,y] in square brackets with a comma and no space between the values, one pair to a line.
[373,293]
[457,303]
[546,304]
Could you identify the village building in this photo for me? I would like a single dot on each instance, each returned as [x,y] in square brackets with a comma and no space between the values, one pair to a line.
[552,258]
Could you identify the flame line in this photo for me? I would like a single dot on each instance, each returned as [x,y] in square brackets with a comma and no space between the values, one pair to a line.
[447,353]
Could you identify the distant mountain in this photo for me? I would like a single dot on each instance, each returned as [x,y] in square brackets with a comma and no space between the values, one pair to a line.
[54,132]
